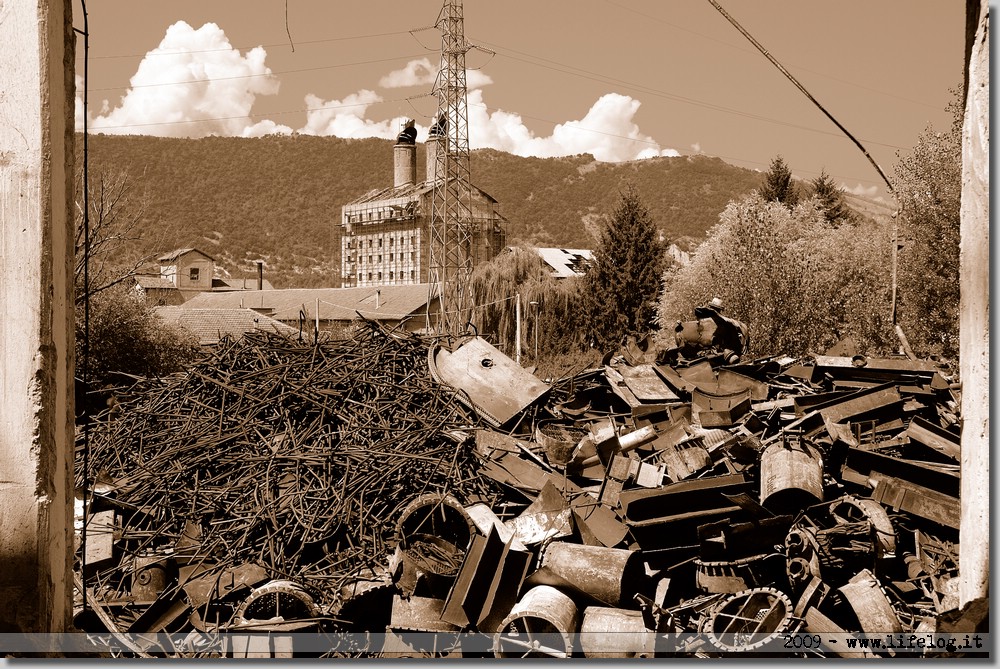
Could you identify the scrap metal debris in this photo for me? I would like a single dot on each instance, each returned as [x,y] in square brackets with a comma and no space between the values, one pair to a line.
[699,505]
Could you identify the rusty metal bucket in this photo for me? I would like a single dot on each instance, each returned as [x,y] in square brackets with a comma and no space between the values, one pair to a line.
[791,476]
[613,633]
[612,576]
[540,625]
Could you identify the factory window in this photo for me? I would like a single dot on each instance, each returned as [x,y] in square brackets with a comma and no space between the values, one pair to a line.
[391,241]
[411,255]
[380,242]
[413,240]
[380,276]
[392,276]
[369,258]
[411,273]
[391,257]
[380,258]
[194,274]
[369,276]
[359,276]
[369,243]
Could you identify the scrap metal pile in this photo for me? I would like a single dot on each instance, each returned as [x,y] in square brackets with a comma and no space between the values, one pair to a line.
[401,485]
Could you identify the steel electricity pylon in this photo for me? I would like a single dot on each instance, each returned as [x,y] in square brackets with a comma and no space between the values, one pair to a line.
[452,226]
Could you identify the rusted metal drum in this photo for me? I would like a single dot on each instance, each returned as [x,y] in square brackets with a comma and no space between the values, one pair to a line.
[434,532]
[540,625]
[149,577]
[791,476]
[612,633]
[612,576]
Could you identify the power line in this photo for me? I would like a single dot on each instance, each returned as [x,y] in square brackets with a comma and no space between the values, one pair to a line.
[247,48]
[798,67]
[251,76]
[600,78]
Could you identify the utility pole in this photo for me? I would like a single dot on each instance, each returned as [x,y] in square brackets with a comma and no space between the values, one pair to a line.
[535,305]
[517,329]
[451,228]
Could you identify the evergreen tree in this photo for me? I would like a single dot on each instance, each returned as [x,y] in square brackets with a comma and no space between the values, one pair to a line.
[778,184]
[831,199]
[623,284]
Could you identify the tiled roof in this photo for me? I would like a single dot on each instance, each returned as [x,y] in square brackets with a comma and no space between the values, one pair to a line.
[177,253]
[335,304]
[247,283]
[408,191]
[566,262]
[211,325]
[149,282]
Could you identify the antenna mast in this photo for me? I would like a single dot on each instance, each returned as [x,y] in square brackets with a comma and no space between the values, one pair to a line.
[451,228]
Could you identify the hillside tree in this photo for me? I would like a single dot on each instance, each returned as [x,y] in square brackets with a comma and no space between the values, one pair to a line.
[116,331]
[798,284]
[623,284]
[831,199]
[928,184]
[778,185]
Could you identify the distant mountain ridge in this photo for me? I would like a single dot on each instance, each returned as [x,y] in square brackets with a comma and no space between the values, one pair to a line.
[279,197]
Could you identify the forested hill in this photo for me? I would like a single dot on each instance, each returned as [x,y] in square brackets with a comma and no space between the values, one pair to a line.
[279,198]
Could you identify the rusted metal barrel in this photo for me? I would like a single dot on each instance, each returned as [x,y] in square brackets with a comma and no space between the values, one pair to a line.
[791,476]
[540,625]
[434,532]
[611,576]
[612,633]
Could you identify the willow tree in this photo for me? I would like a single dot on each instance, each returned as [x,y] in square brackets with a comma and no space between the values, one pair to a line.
[548,304]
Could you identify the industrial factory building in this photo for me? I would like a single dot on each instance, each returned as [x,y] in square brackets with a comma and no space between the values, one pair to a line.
[385,234]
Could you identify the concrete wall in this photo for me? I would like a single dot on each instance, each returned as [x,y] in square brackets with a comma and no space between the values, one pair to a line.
[36,315]
[974,327]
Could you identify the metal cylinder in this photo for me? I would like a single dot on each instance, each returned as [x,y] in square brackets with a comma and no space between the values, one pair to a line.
[404,163]
[610,633]
[540,625]
[612,576]
[149,577]
[434,145]
[791,476]
[439,524]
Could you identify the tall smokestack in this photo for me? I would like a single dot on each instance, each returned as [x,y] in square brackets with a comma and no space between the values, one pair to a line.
[404,156]
[436,139]
[260,275]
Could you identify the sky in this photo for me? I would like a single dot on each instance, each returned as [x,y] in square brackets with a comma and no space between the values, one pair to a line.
[618,79]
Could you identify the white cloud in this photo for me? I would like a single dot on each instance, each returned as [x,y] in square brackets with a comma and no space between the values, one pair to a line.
[217,101]
[607,131]
[266,127]
[696,147]
[415,73]
[422,73]
[346,118]
[864,191]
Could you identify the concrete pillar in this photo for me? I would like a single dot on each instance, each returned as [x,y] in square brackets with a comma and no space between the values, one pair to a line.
[974,327]
[36,315]
[434,144]
[404,164]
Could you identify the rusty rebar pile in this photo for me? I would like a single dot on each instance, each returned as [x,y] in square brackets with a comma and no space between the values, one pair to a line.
[295,456]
